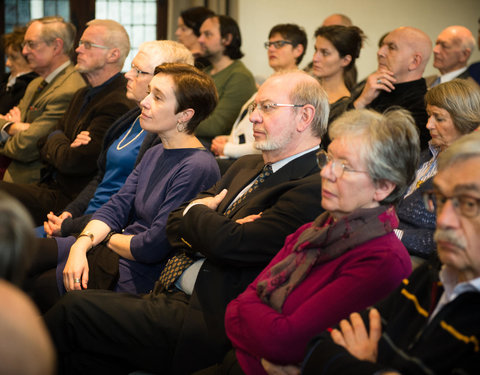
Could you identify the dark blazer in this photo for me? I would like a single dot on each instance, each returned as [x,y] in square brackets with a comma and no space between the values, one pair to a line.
[75,167]
[10,96]
[235,253]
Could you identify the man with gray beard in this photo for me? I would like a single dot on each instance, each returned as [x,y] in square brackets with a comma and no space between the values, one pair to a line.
[431,324]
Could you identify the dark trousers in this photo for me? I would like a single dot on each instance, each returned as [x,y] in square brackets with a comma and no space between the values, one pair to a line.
[41,279]
[102,332]
[39,199]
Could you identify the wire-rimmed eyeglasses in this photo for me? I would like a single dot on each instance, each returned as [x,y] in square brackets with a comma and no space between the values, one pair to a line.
[88,45]
[266,108]
[338,165]
[463,204]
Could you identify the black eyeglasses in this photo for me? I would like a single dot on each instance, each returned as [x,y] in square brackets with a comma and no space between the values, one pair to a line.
[463,204]
[138,71]
[277,44]
[89,45]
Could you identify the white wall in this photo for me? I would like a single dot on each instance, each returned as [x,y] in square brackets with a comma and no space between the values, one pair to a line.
[374,17]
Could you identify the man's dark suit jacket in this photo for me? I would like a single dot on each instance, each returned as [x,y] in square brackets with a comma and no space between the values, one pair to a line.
[70,169]
[235,254]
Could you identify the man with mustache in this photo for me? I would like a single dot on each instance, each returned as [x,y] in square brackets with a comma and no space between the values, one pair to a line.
[431,324]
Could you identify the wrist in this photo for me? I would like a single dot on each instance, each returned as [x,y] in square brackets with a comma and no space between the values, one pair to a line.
[87,236]
[108,237]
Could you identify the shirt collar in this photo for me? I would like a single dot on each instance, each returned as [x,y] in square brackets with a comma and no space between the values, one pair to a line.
[451,75]
[279,164]
[453,288]
[53,74]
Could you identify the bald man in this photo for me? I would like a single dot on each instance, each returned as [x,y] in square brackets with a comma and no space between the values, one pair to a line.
[398,81]
[452,50]
[337,19]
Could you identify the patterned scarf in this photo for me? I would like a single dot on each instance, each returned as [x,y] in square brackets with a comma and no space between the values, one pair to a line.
[323,241]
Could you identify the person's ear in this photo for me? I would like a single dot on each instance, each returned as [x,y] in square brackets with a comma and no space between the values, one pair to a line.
[347,59]
[186,115]
[306,113]
[113,55]
[298,50]
[383,189]
[57,45]
[227,40]
[415,62]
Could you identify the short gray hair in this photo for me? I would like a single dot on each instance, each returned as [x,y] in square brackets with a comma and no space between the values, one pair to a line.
[116,37]
[54,27]
[388,143]
[309,91]
[161,51]
[465,147]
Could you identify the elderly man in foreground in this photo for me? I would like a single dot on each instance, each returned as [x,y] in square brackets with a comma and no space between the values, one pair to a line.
[219,249]
[431,324]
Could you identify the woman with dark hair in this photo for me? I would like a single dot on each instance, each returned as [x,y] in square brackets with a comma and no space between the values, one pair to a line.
[336,50]
[188,31]
[124,246]
[13,84]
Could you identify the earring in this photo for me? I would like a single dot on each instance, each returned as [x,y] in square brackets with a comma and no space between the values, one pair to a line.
[181,126]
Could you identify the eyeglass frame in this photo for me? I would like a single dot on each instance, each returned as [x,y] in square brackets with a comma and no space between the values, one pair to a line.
[266,108]
[277,44]
[88,45]
[327,159]
[32,44]
[430,201]
[138,71]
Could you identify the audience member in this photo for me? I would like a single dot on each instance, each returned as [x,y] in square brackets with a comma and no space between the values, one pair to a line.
[430,324]
[124,246]
[349,251]
[286,47]
[398,80]
[342,20]
[474,69]
[16,239]
[125,142]
[221,41]
[453,109]
[25,346]
[102,50]
[188,31]
[14,83]
[452,50]
[336,49]
[337,19]
[179,327]
[47,46]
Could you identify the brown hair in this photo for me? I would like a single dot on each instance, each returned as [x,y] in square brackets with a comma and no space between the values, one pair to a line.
[193,89]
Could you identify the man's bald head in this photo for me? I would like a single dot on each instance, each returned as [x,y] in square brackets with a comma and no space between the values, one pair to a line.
[405,51]
[453,48]
[337,19]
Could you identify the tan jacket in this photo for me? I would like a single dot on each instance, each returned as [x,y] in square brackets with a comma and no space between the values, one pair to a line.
[42,111]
